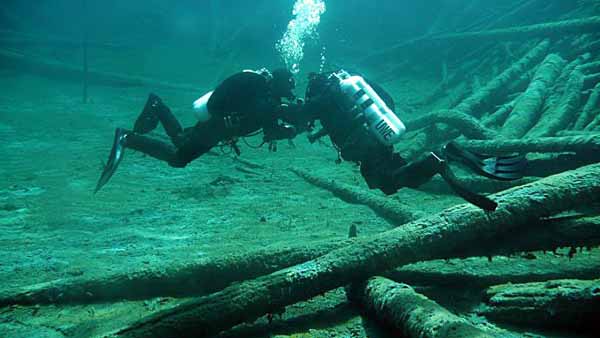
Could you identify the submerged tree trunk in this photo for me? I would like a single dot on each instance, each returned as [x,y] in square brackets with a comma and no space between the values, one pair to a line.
[436,236]
[562,115]
[577,144]
[411,314]
[567,304]
[528,107]
[550,29]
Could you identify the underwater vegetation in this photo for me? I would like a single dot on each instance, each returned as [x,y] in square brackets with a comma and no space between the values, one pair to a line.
[465,203]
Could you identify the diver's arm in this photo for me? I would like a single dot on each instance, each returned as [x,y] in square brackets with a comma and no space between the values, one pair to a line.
[272,129]
[276,131]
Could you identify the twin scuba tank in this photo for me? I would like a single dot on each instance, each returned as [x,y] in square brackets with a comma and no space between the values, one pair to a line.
[200,106]
[378,118]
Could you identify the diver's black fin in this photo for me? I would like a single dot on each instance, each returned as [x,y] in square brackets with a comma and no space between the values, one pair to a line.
[478,200]
[115,157]
[503,168]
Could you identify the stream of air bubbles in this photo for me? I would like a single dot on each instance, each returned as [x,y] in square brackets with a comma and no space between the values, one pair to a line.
[303,27]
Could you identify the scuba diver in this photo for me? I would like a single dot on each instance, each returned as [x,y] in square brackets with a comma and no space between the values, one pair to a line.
[241,105]
[360,120]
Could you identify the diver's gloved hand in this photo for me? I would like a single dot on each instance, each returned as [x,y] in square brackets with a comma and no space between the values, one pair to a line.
[281,132]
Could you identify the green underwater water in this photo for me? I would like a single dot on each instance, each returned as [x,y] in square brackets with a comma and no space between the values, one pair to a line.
[154,218]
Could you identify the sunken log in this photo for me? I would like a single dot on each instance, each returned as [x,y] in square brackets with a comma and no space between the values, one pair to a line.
[561,116]
[528,106]
[475,104]
[174,281]
[590,67]
[411,314]
[589,81]
[542,235]
[190,279]
[466,124]
[433,237]
[570,304]
[480,272]
[387,208]
[577,144]
[590,107]
[549,29]
[498,117]
[55,69]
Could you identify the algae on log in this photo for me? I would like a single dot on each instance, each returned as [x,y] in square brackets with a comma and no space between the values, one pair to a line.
[577,144]
[590,107]
[568,304]
[192,279]
[559,117]
[433,237]
[479,272]
[466,124]
[527,108]
[413,315]
[498,117]
[476,102]
[387,208]
[549,29]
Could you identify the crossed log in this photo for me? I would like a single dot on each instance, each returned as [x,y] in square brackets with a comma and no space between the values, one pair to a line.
[437,236]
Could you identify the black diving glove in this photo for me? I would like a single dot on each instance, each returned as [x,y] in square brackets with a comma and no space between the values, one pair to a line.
[281,132]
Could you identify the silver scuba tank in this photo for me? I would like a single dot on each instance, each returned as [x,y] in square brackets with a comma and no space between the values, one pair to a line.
[381,121]
[201,107]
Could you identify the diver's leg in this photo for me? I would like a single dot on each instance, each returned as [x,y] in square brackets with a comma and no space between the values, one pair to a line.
[154,111]
[129,139]
[417,172]
[152,147]
[197,141]
[378,169]
[420,171]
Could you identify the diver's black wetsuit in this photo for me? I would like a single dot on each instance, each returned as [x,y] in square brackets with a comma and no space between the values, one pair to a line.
[379,163]
[381,167]
[242,104]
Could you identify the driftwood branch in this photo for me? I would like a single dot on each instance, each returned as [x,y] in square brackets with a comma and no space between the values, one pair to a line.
[429,238]
[568,304]
[409,313]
